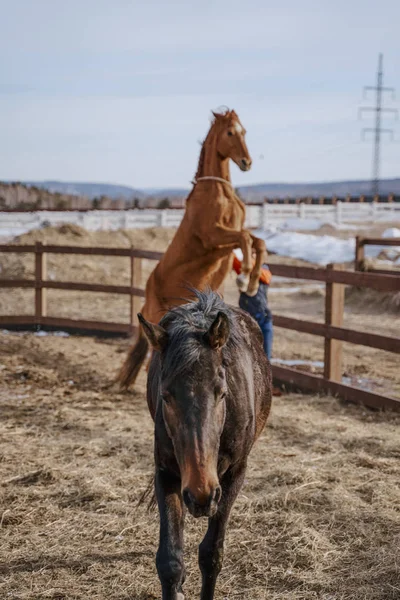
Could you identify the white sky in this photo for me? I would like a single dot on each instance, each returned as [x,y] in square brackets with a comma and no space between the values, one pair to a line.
[121,91]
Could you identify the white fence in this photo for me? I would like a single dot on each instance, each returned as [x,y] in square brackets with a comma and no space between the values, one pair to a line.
[16,223]
[257,216]
[343,212]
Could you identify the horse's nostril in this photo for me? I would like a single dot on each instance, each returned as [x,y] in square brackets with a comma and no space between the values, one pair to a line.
[244,162]
[217,494]
[187,497]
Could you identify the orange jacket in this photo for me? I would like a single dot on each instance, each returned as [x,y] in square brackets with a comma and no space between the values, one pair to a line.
[265,276]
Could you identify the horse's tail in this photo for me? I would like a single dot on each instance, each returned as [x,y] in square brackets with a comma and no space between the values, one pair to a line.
[133,362]
[149,495]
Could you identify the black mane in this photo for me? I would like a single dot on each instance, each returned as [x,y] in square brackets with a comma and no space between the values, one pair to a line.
[186,326]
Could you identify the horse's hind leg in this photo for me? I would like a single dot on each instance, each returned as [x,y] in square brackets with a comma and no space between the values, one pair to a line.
[211,549]
[170,567]
[261,254]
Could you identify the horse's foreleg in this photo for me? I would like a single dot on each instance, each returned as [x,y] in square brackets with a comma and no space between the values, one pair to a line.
[169,561]
[243,280]
[211,549]
[261,254]
[220,236]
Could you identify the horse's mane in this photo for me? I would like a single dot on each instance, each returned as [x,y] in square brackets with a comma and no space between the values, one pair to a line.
[201,160]
[186,326]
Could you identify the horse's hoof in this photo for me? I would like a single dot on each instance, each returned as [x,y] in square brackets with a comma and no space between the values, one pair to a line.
[242,282]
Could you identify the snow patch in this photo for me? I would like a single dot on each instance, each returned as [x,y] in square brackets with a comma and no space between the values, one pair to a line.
[42,333]
[391,232]
[37,333]
[322,249]
[298,362]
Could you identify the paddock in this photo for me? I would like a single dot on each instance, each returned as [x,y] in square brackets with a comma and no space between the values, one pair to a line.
[318,517]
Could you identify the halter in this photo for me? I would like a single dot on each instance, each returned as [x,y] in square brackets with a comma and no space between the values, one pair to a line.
[213,178]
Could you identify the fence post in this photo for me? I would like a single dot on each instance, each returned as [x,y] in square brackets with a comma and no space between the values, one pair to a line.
[40,276]
[162,217]
[136,280]
[360,254]
[334,309]
[338,212]
[264,216]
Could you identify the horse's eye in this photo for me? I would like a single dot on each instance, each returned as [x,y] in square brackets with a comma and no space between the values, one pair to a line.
[222,395]
[230,133]
[166,397]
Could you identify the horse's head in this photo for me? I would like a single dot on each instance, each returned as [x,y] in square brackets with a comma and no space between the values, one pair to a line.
[192,399]
[231,139]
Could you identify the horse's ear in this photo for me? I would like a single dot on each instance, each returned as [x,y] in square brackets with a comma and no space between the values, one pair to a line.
[156,335]
[218,334]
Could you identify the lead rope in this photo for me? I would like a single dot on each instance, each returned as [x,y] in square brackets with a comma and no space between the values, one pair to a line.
[213,178]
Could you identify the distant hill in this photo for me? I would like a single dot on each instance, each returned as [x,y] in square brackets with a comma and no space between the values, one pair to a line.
[90,190]
[249,192]
[163,192]
[18,196]
[255,193]
[32,195]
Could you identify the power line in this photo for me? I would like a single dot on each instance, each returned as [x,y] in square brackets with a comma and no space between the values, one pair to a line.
[378,129]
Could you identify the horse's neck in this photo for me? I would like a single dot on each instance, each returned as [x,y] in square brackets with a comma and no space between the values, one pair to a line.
[211,164]
[214,166]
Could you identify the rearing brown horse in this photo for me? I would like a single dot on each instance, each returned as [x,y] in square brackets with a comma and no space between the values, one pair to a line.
[200,254]
[209,393]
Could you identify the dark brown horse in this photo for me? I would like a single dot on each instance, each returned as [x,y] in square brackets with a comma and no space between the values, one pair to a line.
[209,393]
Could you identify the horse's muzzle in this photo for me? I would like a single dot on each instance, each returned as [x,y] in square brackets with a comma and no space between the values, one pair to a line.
[204,507]
[245,164]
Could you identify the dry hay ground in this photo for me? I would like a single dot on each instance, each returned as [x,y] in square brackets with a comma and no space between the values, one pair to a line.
[318,518]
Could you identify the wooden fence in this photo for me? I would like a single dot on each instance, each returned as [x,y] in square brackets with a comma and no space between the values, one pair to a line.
[360,263]
[332,330]
[41,284]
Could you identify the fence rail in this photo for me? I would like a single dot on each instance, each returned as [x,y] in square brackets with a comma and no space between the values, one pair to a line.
[331,330]
[360,263]
[258,216]
[41,284]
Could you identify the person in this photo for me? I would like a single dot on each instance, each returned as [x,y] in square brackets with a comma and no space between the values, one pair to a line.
[257,306]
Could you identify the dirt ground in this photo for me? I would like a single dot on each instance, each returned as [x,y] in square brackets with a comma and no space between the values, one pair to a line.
[318,517]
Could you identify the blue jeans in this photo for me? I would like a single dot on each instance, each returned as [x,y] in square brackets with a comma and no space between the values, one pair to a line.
[266,326]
